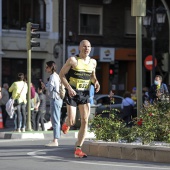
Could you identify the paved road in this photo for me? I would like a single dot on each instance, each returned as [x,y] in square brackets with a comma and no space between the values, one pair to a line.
[32,154]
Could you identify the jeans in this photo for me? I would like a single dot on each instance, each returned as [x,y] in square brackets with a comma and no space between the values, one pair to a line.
[55,110]
[21,111]
[15,121]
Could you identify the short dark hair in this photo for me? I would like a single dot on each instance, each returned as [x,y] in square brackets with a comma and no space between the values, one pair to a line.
[20,77]
[159,76]
[127,94]
[52,65]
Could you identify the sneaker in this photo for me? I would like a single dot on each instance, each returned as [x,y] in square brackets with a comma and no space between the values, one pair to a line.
[22,129]
[79,154]
[18,130]
[52,144]
[65,128]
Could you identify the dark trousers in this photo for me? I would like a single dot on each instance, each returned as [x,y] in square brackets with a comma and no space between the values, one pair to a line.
[33,125]
[40,119]
[127,115]
[4,114]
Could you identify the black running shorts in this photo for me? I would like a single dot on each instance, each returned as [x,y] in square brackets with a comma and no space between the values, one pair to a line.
[82,97]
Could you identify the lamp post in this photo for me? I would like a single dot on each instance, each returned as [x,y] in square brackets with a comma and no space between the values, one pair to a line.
[153,22]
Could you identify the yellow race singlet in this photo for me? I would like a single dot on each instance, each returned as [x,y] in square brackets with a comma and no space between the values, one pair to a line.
[79,76]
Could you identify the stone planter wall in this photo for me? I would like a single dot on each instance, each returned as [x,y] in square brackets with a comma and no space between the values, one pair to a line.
[127,151]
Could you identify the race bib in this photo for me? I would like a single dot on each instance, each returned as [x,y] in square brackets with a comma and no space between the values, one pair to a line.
[82,85]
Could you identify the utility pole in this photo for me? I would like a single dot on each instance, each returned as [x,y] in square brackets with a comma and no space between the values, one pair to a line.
[138,10]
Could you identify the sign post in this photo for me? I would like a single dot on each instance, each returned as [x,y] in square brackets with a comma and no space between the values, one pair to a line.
[148,63]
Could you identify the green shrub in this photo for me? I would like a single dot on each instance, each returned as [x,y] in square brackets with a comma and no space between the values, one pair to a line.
[153,124]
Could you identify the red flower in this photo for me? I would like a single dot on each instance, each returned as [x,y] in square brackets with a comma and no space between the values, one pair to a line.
[150,114]
[140,122]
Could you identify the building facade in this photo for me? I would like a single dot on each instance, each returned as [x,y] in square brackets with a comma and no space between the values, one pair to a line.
[13,57]
[107,24]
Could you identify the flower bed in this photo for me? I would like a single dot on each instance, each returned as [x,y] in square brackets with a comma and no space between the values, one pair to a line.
[153,124]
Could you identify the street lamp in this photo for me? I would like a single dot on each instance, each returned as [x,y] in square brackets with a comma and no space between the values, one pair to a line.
[153,22]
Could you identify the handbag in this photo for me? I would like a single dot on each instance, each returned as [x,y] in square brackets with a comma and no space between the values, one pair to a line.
[10,107]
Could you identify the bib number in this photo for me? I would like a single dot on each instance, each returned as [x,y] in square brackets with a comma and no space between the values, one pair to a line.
[82,86]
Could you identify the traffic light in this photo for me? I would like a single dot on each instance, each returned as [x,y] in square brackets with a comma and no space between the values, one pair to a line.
[111,70]
[31,35]
[114,71]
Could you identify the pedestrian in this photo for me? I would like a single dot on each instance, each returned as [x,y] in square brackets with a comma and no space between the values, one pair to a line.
[157,89]
[0,93]
[134,95]
[80,71]
[3,101]
[52,88]
[19,90]
[41,110]
[35,102]
[145,96]
[127,108]
[92,92]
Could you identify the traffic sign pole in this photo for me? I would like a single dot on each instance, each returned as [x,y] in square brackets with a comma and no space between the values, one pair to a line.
[149,62]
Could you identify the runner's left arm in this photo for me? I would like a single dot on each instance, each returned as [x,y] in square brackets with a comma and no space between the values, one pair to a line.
[94,79]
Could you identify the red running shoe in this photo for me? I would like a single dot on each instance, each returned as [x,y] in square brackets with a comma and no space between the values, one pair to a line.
[65,128]
[79,154]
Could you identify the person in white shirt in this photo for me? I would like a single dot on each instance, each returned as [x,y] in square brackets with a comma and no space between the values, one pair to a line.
[56,102]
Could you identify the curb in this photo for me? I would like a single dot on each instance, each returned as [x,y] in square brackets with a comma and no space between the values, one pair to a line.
[126,151]
[40,135]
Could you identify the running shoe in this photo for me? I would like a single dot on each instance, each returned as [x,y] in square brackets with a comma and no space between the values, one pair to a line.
[79,154]
[52,144]
[65,128]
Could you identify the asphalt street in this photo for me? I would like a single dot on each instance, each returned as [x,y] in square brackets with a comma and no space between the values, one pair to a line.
[17,154]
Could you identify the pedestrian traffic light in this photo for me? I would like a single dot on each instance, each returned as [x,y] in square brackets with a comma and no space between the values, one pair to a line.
[31,35]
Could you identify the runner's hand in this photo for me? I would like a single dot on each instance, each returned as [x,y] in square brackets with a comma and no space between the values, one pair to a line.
[97,86]
[71,92]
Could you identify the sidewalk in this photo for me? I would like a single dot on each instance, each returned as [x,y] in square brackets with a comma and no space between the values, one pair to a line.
[8,133]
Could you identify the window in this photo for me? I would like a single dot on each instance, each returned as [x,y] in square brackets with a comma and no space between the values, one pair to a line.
[130,25]
[16,13]
[90,20]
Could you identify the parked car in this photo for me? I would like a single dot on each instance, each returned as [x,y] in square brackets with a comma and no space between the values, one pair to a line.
[104,104]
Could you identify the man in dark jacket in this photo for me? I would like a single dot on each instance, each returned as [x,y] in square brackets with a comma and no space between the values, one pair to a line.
[157,89]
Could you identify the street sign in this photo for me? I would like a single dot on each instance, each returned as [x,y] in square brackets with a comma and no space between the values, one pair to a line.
[149,62]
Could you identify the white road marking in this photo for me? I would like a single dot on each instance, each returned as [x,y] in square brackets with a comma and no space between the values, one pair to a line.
[113,164]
